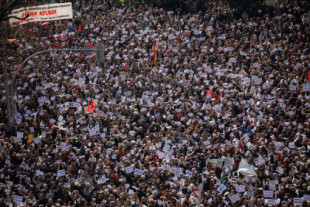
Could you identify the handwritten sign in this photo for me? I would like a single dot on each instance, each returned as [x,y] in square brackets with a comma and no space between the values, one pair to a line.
[292,88]
[129,169]
[18,199]
[298,202]
[61,173]
[240,188]
[138,172]
[17,139]
[268,193]
[234,198]
[221,188]
[102,180]
[189,173]
[271,202]
[306,197]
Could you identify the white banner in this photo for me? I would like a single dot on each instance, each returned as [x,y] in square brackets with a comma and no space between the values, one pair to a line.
[49,12]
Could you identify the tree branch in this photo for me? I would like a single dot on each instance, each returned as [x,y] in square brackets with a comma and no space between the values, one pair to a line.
[15,17]
[5,11]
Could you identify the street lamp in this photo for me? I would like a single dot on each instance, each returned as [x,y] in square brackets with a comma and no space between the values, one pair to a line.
[99,54]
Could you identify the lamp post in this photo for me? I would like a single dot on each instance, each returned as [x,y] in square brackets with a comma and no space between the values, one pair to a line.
[99,54]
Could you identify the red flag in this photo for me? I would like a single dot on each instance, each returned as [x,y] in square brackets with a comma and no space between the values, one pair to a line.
[126,66]
[216,97]
[30,33]
[120,151]
[89,109]
[57,44]
[80,56]
[11,40]
[309,75]
[91,45]
[115,176]
[209,92]
[280,158]
[80,28]
[93,104]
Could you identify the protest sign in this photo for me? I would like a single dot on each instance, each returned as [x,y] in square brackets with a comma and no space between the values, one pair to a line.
[234,198]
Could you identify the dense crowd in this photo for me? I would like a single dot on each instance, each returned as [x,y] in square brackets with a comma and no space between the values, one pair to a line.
[221,118]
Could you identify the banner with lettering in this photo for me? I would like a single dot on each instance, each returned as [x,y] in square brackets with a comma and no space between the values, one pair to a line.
[49,12]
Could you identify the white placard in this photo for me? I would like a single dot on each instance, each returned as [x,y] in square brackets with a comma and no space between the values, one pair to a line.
[306,197]
[160,154]
[232,60]
[189,173]
[240,188]
[298,201]
[233,181]
[306,87]
[18,199]
[272,185]
[65,148]
[61,173]
[138,172]
[221,188]
[17,139]
[271,202]
[102,180]
[255,65]
[292,88]
[37,140]
[234,198]
[20,134]
[39,173]
[268,193]
[129,169]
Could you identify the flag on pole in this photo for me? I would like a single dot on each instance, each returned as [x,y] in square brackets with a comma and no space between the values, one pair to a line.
[209,92]
[11,40]
[91,45]
[155,53]
[91,107]
[126,66]
[115,175]
[93,104]
[65,45]
[57,44]
[89,110]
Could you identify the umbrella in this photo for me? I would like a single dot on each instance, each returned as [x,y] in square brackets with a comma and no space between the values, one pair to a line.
[45,23]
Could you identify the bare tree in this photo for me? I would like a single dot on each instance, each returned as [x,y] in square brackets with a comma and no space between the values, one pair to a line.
[7,6]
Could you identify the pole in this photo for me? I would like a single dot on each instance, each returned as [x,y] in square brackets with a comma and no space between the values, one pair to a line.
[10,87]
[42,51]
[8,84]
[309,18]
[279,19]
